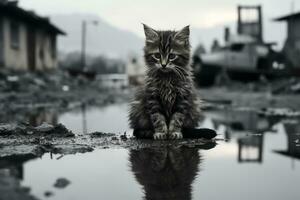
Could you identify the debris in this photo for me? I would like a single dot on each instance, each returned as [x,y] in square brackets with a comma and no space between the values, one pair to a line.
[296,88]
[43,130]
[124,137]
[101,134]
[65,88]
[291,86]
[278,112]
[12,78]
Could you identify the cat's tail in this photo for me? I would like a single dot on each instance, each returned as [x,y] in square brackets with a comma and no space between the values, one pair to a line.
[188,133]
[197,133]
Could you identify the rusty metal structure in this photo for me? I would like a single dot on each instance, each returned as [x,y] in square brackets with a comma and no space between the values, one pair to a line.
[250,22]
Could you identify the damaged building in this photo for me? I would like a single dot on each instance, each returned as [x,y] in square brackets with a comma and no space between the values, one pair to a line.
[27,41]
[291,47]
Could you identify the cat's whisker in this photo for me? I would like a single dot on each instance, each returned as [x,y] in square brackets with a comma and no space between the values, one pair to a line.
[177,73]
[178,70]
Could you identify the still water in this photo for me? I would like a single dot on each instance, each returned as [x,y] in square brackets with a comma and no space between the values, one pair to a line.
[256,158]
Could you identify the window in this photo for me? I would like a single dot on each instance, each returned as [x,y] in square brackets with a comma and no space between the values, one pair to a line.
[14,35]
[53,46]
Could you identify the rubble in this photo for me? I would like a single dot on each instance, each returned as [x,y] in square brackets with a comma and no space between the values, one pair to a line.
[278,112]
[55,88]
[43,129]
[100,134]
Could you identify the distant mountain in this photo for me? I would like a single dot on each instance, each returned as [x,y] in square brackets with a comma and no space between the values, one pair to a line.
[108,40]
[103,39]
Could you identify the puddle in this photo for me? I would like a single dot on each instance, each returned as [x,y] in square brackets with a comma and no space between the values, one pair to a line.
[256,158]
[103,174]
[111,119]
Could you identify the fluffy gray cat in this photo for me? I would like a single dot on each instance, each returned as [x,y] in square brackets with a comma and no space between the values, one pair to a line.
[167,103]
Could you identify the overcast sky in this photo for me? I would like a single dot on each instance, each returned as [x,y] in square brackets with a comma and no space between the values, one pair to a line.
[162,14]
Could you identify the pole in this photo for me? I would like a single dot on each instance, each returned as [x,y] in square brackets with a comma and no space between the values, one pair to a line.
[83,44]
[84,122]
[260,21]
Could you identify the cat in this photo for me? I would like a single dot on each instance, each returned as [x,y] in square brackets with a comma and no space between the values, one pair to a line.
[167,103]
[166,172]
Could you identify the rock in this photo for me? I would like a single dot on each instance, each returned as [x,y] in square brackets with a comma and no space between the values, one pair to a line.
[62,131]
[114,138]
[9,129]
[44,127]
[48,194]
[61,183]
[124,137]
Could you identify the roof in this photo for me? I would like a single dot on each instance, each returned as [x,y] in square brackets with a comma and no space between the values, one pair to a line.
[12,10]
[288,17]
[289,154]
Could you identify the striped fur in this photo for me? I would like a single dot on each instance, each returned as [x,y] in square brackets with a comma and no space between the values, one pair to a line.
[167,102]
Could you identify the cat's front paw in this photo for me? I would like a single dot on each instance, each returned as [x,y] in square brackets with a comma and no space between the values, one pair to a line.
[175,135]
[160,136]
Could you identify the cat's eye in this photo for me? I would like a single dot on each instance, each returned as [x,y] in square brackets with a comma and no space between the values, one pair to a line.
[172,56]
[156,56]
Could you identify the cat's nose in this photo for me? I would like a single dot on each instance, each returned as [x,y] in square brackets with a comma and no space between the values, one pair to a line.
[163,63]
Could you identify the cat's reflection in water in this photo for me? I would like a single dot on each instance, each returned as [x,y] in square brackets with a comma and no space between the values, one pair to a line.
[166,173]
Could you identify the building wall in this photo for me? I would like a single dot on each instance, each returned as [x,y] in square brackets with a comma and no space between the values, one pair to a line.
[44,57]
[1,44]
[292,45]
[294,28]
[15,58]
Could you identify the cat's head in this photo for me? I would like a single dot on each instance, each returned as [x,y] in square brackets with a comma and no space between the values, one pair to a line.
[167,51]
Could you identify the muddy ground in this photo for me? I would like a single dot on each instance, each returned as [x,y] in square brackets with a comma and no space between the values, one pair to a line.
[22,137]
[22,133]
[24,93]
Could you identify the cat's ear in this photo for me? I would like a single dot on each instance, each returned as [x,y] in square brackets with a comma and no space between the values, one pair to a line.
[151,34]
[183,35]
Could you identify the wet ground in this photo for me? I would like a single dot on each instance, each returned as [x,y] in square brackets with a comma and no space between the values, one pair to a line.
[256,156]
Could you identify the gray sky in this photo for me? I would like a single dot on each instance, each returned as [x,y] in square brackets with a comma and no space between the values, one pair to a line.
[162,14]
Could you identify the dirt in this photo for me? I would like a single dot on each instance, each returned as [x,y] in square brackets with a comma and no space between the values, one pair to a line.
[22,140]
